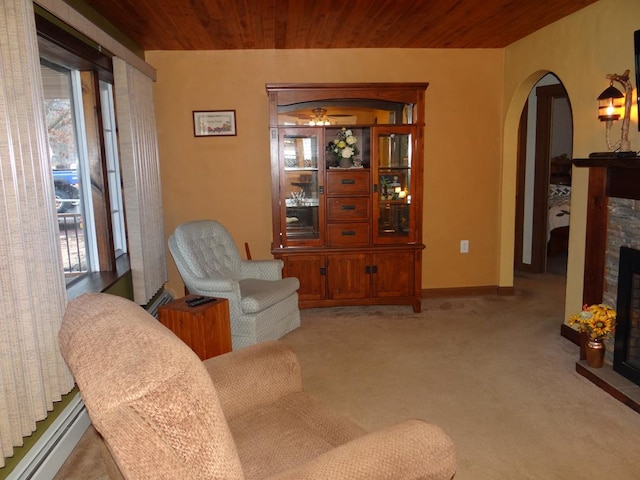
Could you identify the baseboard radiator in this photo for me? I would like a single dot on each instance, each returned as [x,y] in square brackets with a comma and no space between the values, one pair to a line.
[49,453]
[161,299]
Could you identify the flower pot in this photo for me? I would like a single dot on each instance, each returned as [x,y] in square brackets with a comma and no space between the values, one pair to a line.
[345,163]
[595,353]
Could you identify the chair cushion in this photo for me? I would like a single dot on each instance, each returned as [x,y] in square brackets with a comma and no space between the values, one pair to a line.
[257,295]
[286,433]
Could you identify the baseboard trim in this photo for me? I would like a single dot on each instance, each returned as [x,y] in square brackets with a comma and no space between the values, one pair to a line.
[570,334]
[467,291]
[49,453]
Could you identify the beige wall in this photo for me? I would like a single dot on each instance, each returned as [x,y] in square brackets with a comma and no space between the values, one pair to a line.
[581,50]
[473,105]
[228,178]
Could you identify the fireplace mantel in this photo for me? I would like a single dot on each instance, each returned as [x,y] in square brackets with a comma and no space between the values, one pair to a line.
[608,177]
[608,162]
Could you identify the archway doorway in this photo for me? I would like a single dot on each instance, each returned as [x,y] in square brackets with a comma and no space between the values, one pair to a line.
[543,190]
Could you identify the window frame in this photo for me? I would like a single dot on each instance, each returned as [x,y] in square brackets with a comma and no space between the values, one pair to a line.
[113,169]
[71,50]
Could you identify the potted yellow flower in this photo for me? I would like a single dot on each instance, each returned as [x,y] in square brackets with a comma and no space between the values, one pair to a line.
[598,321]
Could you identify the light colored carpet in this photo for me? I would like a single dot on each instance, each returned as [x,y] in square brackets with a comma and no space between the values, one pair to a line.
[493,371]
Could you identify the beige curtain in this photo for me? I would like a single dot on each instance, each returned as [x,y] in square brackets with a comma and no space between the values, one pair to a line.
[33,375]
[138,140]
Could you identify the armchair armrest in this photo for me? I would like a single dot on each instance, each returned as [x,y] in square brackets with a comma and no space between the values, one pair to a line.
[212,287]
[261,269]
[412,449]
[253,376]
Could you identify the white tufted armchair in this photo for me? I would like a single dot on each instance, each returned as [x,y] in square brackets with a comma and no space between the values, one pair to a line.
[262,305]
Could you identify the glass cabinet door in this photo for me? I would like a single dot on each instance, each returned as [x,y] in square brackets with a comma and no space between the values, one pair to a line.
[393,179]
[301,182]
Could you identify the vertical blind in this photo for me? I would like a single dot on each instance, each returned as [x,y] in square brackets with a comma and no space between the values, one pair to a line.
[33,374]
[141,178]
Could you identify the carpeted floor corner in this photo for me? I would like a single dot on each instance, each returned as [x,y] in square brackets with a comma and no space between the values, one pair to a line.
[493,371]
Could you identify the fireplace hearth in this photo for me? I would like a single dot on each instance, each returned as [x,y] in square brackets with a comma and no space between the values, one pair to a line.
[626,355]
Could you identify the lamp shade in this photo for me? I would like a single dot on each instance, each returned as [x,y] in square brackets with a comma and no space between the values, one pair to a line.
[610,104]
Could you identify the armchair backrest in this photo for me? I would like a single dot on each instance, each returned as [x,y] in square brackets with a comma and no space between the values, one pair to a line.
[205,249]
[147,393]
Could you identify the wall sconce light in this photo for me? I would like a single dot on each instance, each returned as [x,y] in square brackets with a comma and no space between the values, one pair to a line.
[610,104]
[319,117]
[613,104]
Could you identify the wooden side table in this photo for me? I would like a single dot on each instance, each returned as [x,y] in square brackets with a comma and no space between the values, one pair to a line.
[204,328]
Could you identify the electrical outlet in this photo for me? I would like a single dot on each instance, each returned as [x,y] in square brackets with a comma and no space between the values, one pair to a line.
[464,246]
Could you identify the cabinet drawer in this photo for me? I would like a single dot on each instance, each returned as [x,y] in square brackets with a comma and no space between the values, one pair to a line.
[348,234]
[347,208]
[348,182]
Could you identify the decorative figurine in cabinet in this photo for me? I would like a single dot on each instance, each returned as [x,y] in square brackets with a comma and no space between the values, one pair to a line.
[348,221]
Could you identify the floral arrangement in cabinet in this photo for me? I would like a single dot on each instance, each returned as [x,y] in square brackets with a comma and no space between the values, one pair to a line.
[344,147]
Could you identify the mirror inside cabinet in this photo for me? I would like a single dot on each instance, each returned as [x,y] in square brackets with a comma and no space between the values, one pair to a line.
[346,112]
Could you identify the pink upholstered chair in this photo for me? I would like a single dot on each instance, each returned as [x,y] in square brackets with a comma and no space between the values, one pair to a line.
[164,414]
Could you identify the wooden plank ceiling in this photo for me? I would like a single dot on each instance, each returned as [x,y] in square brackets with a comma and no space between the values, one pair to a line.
[286,24]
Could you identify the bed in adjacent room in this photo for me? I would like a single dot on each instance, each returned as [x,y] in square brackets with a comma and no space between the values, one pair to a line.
[558,216]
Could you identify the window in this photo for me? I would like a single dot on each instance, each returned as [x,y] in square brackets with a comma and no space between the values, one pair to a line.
[81,125]
[62,130]
[113,167]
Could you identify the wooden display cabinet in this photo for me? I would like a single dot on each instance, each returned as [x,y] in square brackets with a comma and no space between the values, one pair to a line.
[353,236]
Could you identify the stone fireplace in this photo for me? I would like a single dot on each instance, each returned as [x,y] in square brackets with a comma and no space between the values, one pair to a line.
[626,357]
[623,247]
[613,221]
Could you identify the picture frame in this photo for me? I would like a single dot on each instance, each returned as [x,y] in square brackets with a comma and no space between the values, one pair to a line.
[214,123]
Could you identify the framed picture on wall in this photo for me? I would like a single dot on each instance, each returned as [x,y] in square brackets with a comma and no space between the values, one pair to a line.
[214,123]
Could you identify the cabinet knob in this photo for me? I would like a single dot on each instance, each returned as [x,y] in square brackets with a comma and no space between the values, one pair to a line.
[348,233]
[348,207]
[348,181]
